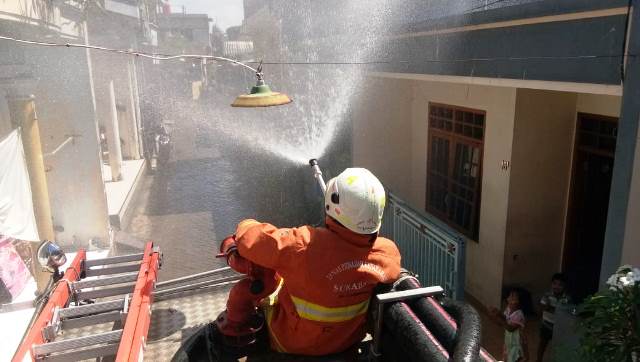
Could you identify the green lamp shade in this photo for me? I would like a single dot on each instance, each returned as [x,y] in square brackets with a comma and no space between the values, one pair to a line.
[261,96]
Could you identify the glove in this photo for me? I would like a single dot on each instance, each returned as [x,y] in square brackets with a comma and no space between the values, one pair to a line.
[228,246]
[229,250]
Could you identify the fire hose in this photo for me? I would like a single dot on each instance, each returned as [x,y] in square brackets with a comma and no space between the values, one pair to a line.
[454,324]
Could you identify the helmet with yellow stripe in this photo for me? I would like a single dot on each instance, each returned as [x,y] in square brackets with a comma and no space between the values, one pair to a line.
[356,199]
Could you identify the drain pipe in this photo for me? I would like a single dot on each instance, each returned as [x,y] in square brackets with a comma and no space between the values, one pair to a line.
[317,173]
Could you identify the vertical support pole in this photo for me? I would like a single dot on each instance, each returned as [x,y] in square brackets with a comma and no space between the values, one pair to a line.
[461,272]
[113,137]
[136,89]
[618,225]
[133,109]
[23,114]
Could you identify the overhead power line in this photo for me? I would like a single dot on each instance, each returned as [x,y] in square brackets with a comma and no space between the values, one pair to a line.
[126,51]
[483,6]
[163,57]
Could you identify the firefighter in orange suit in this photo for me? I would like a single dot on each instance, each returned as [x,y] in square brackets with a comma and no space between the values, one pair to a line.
[325,275]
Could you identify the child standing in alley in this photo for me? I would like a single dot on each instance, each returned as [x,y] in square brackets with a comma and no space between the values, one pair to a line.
[513,321]
[548,304]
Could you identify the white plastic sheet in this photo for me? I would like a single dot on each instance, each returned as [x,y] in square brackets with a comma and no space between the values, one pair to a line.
[17,219]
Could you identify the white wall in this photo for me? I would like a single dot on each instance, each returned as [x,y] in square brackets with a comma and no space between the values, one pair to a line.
[39,13]
[108,67]
[64,107]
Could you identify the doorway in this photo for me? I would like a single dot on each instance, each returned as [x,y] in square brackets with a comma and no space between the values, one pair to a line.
[589,202]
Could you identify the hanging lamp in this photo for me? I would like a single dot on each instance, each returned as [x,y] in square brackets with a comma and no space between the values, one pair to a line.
[261,95]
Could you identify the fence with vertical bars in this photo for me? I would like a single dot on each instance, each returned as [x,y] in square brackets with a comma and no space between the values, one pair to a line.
[429,247]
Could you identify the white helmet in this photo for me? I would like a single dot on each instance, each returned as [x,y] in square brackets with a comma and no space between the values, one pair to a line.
[356,199]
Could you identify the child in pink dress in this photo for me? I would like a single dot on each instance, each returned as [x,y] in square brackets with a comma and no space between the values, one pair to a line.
[513,322]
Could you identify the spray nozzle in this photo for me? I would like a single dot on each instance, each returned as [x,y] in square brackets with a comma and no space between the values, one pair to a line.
[317,173]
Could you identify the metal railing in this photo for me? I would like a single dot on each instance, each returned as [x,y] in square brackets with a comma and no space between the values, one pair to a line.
[429,248]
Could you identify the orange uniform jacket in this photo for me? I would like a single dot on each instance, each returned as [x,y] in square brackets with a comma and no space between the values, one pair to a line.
[329,275]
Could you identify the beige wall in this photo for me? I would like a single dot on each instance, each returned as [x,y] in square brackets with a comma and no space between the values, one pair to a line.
[395,111]
[523,209]
[540,177]
[598,104]
[382,133]
[484,257]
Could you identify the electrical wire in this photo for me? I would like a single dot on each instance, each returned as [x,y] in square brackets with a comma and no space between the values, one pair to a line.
[484,6]
[542,57]
[624,40]
[127,51]
[164,57]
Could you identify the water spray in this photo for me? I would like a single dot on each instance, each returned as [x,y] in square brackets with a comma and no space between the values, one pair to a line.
[317,173]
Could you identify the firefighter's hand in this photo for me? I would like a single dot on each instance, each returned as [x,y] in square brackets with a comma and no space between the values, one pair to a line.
[227,248]
[227,245]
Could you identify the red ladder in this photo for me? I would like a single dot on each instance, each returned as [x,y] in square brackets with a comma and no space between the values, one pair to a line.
[135,276]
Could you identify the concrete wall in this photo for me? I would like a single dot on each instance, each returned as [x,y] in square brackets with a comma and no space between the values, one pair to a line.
[540,176]
[631,247]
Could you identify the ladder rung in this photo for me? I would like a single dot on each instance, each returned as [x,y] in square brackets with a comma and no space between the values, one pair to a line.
[73,343]
[83,354]
[101,282]
[105,292]
[114,260]
[191,277]
[92,308]
[91,320]
[113,270]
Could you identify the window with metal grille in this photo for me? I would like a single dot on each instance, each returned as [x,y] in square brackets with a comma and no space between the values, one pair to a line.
[454,166]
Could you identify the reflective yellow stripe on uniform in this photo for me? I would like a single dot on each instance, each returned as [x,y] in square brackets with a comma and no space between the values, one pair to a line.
[267,305]
[319,313]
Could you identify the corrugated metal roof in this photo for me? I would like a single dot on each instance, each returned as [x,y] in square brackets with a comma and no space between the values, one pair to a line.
[238,49]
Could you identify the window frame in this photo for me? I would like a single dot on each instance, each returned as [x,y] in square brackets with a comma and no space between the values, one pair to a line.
[454,139]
